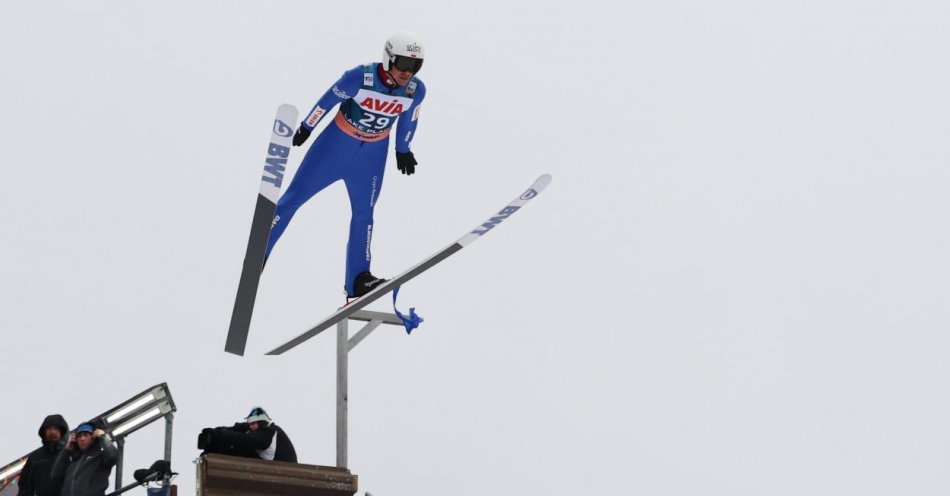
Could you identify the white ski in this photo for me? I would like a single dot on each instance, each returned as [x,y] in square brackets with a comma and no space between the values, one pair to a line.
[395,282]
[274,166]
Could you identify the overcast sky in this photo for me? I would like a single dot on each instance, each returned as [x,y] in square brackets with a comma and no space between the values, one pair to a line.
[737,282]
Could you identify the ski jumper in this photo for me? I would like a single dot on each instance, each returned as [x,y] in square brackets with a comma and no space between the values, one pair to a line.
[353,148]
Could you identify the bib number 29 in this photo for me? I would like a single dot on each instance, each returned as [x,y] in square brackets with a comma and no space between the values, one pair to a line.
[375,121]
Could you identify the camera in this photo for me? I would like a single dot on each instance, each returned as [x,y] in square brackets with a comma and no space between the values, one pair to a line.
[204,439]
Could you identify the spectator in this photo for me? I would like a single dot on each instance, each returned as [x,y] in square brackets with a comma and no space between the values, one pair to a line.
[86,462]
[35,477]
[256,437]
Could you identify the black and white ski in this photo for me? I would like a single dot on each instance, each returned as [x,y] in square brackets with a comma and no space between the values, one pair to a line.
[395,282]
[274,165]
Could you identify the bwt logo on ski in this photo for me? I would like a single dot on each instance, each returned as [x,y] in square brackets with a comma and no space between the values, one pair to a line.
[494,221]
[281,129]
[528,195]
[275,164]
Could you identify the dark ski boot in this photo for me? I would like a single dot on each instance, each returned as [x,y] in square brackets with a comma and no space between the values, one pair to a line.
[364,283]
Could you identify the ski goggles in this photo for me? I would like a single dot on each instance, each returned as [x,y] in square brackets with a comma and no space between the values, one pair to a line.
[407,64]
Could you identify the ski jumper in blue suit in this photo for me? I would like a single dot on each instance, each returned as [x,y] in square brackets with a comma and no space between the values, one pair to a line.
[353,148]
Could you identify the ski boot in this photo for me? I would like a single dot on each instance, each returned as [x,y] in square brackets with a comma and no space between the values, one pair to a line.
[364,283]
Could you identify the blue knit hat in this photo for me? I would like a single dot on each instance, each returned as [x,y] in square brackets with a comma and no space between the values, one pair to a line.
[87,427]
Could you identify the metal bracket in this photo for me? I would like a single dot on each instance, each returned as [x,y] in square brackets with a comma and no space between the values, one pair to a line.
[345,343]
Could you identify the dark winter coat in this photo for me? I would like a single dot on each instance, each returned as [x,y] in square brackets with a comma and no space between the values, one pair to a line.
[35,477]
[267,443]
[86,473]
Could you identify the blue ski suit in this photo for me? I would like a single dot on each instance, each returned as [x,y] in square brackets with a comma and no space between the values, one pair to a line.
[353,148]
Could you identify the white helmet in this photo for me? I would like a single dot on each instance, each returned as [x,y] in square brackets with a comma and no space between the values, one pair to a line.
[404,51]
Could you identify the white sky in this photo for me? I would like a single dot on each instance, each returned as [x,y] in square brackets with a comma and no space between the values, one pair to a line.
[737,282]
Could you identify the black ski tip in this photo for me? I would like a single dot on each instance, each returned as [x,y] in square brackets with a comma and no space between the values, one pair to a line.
[234,348]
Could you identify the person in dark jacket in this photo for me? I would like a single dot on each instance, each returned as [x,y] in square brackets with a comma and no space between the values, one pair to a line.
[86,462]
[256,437]
[35,477]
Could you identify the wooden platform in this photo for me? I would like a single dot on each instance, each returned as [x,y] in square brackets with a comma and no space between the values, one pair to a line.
[221,475]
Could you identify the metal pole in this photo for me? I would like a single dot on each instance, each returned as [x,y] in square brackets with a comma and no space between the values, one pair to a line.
[342,348]
[120,447]
[169,420]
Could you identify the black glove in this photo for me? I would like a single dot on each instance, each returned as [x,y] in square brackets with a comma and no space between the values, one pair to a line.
[406,163]
[301,136]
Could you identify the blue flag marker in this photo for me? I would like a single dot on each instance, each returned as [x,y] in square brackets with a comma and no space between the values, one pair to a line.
[412,321]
